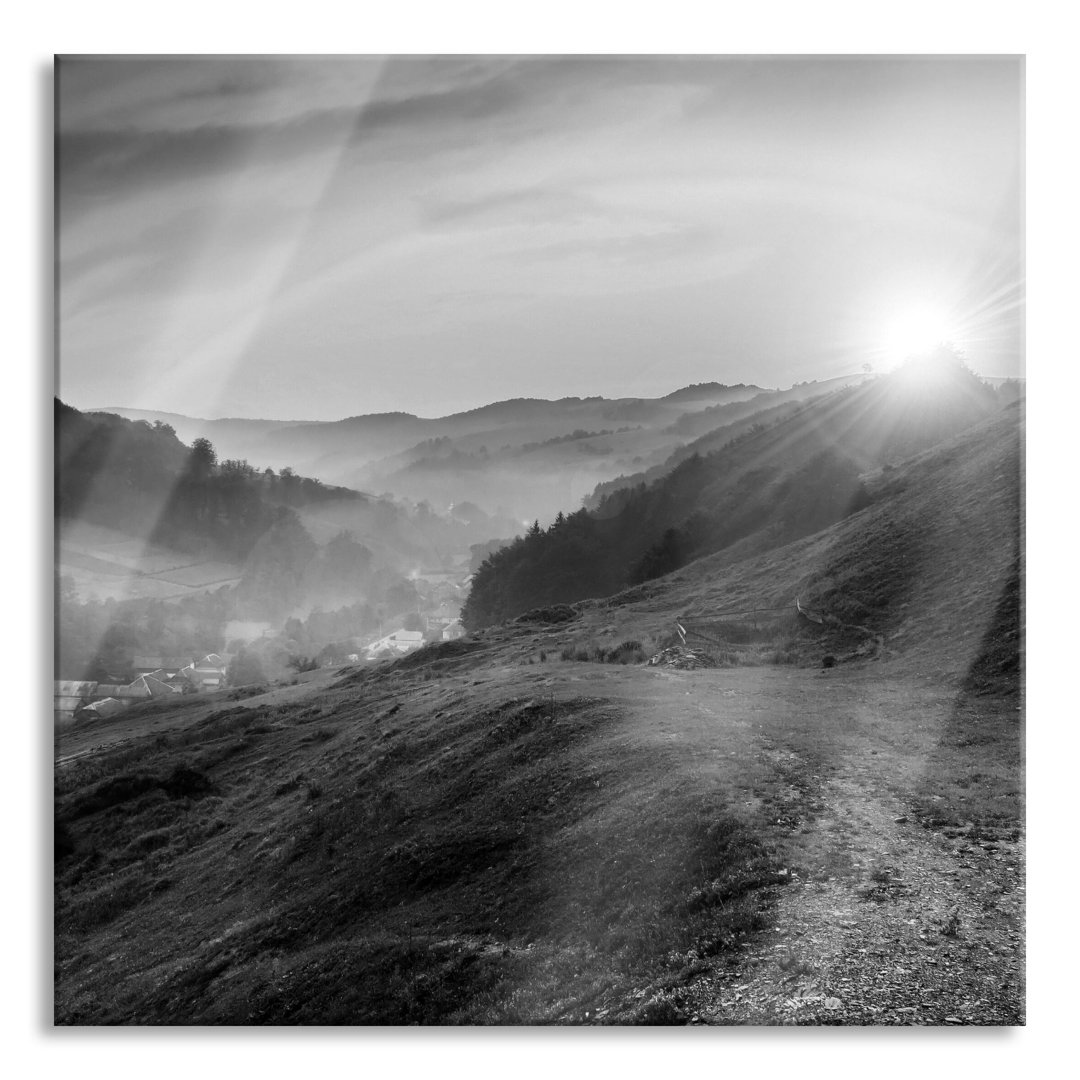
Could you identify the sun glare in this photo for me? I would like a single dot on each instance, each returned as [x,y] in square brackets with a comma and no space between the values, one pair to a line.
[915,333]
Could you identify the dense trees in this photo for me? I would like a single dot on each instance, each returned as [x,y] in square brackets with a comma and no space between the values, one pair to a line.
[639,533]
[276,568]
[112,471]
[139,478]
[571,559]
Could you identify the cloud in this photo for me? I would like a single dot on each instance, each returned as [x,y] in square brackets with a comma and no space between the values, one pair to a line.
[224,216]
[528,206]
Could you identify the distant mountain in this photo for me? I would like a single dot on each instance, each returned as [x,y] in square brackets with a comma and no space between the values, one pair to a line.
[524,458]
[716,425]
[712,391]
[765,486]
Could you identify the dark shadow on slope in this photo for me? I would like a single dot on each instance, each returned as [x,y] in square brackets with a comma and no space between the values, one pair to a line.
[867,583]
[997,668]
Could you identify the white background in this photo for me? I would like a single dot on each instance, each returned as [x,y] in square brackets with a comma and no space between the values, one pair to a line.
[33,34]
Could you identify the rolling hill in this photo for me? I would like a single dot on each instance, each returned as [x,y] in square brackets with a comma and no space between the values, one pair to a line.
[764,487]
[523,458]
[509,830]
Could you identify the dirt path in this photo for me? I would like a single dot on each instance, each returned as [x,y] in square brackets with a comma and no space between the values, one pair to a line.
[895,813]
[885,920]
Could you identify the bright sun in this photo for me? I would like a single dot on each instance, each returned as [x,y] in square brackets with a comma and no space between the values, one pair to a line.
[915,332]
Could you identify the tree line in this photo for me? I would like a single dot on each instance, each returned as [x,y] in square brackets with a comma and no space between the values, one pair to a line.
[703,505]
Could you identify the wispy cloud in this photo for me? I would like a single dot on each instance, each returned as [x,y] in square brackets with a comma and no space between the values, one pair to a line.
[226,220]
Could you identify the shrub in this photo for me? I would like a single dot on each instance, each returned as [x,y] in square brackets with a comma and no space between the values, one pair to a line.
[627,652]
[575,652]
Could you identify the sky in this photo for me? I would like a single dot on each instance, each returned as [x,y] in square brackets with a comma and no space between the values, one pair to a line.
[314,238]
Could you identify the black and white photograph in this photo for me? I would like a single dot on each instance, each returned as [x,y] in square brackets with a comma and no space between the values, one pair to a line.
[539,540]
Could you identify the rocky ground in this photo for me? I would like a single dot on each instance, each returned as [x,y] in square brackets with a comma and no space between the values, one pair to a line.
[928,929]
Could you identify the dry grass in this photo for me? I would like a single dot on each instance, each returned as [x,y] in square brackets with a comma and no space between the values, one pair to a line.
[461,857]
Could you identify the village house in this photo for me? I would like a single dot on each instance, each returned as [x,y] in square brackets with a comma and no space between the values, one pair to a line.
[205,674]
[127,692]
[153,665]
[156,687]
[84,700]
[398,643]
[443,615]
[453,631]
[69,697]
[72,700]
[99,710]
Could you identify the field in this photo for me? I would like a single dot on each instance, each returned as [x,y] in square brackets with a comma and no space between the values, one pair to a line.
[105,563]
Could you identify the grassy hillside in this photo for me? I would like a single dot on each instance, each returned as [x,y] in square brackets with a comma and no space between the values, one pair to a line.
[765,487]
[714,427]
[493,831]
[928,576]
[363,869]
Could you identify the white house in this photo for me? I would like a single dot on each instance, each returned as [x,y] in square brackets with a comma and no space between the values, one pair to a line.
[207,673]
[398,643]
[69,697]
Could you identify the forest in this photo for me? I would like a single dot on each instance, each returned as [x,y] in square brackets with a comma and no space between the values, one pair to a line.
[631,538]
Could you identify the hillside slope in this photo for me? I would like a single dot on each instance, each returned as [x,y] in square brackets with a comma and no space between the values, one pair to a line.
[933,566]
[492,831]
[765,487]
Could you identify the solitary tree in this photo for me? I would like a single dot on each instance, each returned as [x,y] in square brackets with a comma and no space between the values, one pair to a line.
[202,459]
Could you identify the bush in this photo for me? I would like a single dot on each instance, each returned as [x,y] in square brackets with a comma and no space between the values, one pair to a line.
[575,652]
[627,652]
